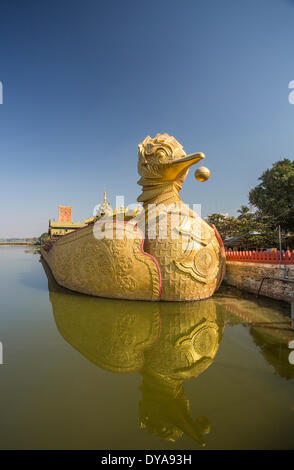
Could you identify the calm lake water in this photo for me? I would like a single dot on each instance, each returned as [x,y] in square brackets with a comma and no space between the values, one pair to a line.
[86,373]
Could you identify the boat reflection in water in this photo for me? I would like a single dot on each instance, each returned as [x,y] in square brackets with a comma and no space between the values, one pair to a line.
[167,343]
[190,337]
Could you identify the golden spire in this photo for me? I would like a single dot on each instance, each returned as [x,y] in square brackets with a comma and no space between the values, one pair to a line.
[105,200]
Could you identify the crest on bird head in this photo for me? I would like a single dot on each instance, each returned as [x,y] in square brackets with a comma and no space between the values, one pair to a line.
[160,149]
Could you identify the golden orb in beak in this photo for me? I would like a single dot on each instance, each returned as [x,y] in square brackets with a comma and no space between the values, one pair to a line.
[202,174]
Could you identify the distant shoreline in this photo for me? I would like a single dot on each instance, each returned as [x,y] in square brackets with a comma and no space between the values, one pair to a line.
[17,244]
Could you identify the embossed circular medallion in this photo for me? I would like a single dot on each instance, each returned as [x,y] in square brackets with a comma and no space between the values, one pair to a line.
[205,262]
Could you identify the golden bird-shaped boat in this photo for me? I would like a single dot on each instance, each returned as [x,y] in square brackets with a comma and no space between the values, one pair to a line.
[167,252]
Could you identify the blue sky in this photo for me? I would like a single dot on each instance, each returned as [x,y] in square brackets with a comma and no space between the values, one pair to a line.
[85,81]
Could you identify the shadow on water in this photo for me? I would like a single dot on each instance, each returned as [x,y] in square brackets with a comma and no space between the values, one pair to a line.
[33,279]
[167,343]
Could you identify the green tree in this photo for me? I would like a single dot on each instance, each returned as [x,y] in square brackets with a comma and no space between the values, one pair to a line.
[274,196]
[256,231]
[247,231]
[226,226]
[243,211]
[42,238]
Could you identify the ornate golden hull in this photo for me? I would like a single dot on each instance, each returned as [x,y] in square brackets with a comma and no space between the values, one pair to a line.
[117,266]
[113,268]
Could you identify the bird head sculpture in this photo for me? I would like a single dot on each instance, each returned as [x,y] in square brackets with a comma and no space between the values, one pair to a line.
[163,166]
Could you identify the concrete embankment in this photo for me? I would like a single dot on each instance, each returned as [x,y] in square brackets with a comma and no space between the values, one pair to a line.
[248,277]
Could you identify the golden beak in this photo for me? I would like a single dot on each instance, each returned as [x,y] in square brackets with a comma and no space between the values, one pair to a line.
[173,169]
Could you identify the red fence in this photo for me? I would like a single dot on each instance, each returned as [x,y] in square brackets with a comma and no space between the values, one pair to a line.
[270,257]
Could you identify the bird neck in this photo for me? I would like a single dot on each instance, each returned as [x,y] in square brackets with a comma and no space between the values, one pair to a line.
[154,192]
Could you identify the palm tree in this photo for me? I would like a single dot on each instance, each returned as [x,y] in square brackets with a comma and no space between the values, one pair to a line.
[243,211]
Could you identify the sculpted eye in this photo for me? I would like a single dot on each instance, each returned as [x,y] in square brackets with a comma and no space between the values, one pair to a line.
[161,154]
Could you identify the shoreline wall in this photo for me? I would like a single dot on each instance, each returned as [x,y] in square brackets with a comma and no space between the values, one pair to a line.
[248,276]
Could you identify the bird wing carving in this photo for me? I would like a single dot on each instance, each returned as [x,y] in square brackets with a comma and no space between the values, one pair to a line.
[200,250]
